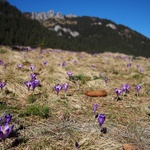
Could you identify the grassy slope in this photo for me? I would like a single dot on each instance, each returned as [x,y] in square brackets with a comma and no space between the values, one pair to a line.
[71,118]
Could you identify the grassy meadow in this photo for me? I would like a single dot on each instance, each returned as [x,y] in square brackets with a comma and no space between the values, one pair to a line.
[45,120]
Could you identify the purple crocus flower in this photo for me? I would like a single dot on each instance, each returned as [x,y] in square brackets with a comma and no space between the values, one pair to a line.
[1,62]
[64,64]
[101,119]
[8,118]
[69,73]
[95,107]
[118,91]
[33,76]
[19,66]
[58,88]
[32,67]
[2,84]
[149,107]
[92,66]
[125,88]
[73,61]
[44,63]
[28,84]
[125,58]
[6,129]
[129,65]
[34,83]
[65,87]
[106,80]
[138,87]
[141,70]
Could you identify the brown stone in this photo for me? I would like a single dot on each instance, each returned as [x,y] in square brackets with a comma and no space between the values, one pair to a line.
[129,147]
[101,93]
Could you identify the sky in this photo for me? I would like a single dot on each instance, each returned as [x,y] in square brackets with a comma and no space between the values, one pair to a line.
[134,14]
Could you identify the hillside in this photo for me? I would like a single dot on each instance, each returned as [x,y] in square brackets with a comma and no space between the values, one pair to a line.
[44,119]
[89,34]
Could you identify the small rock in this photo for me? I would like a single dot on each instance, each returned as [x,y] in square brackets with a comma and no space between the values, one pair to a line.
[128,147]
[101,93]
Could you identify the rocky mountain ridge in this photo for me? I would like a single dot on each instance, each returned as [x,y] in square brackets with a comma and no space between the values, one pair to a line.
[42,16]
[54,21]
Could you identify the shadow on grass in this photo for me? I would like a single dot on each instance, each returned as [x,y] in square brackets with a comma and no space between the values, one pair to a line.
[18,141]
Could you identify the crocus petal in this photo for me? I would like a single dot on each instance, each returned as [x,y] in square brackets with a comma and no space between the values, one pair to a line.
[66,86]
[33,76]
[2,84]
[2,136]
[5,131]
[34,83]
[28,84]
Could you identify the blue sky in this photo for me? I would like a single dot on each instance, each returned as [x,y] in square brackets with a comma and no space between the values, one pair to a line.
[132,13]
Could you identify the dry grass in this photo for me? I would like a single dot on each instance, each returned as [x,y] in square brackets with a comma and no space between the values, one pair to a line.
[46,121]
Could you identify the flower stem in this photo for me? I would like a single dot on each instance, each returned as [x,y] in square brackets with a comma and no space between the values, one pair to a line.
[3,147]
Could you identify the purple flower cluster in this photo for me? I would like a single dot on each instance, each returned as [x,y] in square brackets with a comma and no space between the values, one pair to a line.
[59,87]
[129,65]
[6,129]
[100,117]
[33,82]
[125,88]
